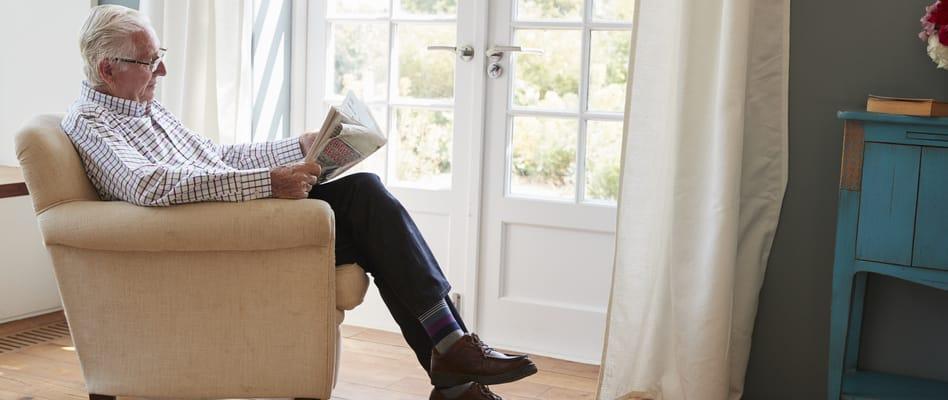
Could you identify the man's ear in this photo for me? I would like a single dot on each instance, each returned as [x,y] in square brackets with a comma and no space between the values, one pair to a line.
[106,71]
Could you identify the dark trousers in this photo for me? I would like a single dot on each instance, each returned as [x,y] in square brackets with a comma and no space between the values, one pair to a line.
[375,231]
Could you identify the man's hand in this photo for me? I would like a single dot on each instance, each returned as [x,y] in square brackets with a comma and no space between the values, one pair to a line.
[306,141]
[293,181]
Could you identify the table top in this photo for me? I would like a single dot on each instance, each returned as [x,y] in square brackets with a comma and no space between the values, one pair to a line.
[892,118]
[11,182]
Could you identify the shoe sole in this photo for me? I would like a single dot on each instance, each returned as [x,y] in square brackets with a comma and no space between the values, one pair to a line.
[446,379]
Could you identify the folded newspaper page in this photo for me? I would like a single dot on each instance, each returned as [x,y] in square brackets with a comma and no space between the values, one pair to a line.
[348,136]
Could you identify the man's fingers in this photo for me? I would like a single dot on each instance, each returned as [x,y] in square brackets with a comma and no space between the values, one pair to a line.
[312,168]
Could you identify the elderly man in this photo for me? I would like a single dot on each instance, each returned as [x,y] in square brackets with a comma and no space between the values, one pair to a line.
[134,150]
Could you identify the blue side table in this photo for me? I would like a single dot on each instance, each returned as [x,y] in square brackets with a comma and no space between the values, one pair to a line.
[892,220]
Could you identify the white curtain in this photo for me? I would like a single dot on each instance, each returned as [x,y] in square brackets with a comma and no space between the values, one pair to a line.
[704,173]
[209,81]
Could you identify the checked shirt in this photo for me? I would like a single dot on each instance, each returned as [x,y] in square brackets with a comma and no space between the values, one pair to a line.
[142,154]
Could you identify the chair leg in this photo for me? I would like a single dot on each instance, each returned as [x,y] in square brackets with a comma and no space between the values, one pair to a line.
[93,396]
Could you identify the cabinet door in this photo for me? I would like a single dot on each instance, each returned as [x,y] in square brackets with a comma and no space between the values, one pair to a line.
[931,229]
[887,203]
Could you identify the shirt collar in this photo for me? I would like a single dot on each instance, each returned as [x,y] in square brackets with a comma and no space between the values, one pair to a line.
[118,105]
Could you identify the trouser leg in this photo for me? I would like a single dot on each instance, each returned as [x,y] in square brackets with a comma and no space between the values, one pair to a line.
[411,328]
[375,231]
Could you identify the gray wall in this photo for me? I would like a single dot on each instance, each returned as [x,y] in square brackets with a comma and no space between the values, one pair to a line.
[840,51]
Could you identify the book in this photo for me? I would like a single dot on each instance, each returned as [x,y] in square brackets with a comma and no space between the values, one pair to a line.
[907,106]
[349,135]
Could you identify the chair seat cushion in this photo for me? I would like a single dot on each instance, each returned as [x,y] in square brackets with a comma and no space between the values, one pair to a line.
[351,285]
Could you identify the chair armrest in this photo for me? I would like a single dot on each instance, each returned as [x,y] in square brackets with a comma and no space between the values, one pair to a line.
[265,224]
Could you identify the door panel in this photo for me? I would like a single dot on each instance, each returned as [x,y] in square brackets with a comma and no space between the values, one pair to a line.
[584,266]
[554,126]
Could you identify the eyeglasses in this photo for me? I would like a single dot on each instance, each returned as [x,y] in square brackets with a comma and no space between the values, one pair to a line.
[153,65]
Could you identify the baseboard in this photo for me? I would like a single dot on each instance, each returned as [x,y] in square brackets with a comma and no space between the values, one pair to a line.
[39,313]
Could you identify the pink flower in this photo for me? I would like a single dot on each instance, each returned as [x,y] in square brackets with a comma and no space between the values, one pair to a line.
[938,14]
[933,18]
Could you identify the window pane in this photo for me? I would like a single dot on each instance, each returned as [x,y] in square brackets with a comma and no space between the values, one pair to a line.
[422,72]
[613,10]
[609,70]
[421,147]
[360,60]
[550,80]
[603,147]
[543,160]
[358,7]
[550,9]
[444,8]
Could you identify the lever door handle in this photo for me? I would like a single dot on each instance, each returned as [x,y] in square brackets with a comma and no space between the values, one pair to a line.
[496,53]
[465,53]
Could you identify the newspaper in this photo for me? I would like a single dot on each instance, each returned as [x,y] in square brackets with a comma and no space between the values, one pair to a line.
[348,136]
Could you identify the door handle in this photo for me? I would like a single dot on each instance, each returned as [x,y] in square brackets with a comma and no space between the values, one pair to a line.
[496,53]
[465,53]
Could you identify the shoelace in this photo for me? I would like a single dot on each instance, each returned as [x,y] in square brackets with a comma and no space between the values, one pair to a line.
[486,392]
[485,349]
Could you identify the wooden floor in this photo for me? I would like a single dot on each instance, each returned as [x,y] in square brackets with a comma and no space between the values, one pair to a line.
[376,365]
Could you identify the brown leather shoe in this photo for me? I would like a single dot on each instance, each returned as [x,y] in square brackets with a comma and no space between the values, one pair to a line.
[470,360]
[477,391]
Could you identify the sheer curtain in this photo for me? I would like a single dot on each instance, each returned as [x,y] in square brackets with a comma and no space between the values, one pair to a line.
[209,81]
[704,173]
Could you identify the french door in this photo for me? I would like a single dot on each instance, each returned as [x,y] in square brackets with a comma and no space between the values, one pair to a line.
[554,123]
[411,61]
[507,156]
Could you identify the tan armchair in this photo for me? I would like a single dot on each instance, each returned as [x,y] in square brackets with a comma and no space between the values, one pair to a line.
[208,300]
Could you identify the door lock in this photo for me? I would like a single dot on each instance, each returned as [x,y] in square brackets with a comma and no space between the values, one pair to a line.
[496,54]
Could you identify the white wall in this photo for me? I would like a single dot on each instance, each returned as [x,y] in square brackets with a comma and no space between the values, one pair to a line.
[41,70]
[27,284]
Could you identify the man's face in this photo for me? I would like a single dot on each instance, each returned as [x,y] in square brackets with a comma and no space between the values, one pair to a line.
[136,81]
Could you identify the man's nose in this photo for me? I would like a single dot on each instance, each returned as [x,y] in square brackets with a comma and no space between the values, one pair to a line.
[161,71]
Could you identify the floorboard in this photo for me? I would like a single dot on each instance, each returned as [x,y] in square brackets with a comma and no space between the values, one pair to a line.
[375,365]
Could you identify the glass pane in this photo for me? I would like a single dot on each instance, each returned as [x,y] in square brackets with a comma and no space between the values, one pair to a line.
[603,147]
[360,60]
[358,7]
[550,9]
[550,80]
[613,10]
[421,147]
[422,72]
[609,70]
[543,161]
[443,8]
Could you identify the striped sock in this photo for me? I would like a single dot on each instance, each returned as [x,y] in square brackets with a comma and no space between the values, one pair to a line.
[441,326]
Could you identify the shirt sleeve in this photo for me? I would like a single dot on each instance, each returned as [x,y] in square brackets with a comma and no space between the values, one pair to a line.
[121,172]
[261,155]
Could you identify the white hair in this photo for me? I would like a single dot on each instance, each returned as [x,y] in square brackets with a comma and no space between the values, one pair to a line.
[107,34]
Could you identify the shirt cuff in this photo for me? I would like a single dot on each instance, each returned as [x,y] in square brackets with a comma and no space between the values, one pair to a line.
[286,150]
[254,184]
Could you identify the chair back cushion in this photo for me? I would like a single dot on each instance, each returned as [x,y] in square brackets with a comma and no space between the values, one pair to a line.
[51,165]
